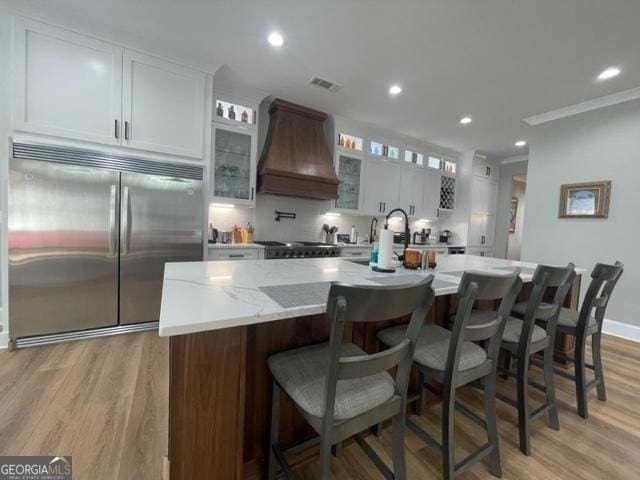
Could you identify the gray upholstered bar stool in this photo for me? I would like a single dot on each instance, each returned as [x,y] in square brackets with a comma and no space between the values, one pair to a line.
[522,338]
[585,323]
[338,388]
[454,360]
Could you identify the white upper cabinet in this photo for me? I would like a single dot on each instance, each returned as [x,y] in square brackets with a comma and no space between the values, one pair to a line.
[431,195]
[412,190]
[484,193]
[382,180]
[350,171]
[234,163]
[78,88]
[484,169]
[163,106]
[65,84]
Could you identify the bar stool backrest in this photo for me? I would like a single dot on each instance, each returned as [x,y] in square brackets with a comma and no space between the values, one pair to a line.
[604,278]
[364,303]
[546,276]
[481,286]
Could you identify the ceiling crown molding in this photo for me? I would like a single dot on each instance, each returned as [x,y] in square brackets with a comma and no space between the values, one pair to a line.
[596,103]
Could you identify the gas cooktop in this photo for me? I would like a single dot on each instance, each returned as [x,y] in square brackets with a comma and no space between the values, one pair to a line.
[275,250]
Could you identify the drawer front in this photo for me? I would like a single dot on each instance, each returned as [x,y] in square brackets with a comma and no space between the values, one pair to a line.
[233,254]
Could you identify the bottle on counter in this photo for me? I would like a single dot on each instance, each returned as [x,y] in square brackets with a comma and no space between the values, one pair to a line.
[219,110]
[431,259]
[244,117]
[232,113]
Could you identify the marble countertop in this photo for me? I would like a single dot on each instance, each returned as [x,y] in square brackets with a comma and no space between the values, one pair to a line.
[201,296]
[235,245]
[400,245]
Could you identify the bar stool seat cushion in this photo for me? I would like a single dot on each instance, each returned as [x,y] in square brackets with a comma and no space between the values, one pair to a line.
[568,318]
[545,310]
[433,347]
[513,329]
[302,374]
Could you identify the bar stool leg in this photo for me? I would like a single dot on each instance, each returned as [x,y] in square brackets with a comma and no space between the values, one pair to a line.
[492,426]
[580,370]
[550,389]
[273,432]
[325,457]
[523,404]
[448,451]
[399,466]
[597,363]
[420,401]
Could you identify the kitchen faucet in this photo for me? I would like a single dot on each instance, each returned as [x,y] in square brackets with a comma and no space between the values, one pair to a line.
[407,233]
[372,229]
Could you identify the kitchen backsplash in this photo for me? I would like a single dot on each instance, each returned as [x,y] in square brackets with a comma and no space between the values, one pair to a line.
[307,226]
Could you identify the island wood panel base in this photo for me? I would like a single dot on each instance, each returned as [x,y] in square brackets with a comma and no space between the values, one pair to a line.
[206,404]
[220,390]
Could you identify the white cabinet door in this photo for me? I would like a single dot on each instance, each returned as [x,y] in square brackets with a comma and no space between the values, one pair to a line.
[484,193]
[66,85]
[481,230]
[163,106]
[381,186]
[412,190]
[431,195]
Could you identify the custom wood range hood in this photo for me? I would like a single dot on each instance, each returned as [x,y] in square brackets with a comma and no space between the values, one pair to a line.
[295,160]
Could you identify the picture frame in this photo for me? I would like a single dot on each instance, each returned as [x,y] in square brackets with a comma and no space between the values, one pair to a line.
[585,200]
[513,213]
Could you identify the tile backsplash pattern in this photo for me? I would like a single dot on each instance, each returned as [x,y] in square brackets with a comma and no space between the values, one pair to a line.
[307,226]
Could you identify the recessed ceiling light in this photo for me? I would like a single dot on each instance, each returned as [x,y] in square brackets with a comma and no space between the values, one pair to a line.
[276,39]
[609,73]
[520,143]
[395,89]
[465,120]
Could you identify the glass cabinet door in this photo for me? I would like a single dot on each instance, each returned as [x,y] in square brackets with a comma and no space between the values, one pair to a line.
[232,165]
[350,176]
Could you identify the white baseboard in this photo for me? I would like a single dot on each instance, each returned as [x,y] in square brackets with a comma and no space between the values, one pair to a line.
[622,330]
[4,340]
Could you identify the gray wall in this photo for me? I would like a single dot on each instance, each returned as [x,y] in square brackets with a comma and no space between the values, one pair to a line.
[513,166]
[599,145]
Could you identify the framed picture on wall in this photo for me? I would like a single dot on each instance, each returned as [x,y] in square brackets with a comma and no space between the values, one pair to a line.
[585,200]
[513,214]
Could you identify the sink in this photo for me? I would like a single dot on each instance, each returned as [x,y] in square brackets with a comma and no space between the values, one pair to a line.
[359,261]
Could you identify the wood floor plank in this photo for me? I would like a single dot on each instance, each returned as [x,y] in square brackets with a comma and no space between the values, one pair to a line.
[105,402]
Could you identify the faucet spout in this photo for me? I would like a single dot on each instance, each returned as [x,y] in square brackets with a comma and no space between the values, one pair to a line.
[372,229]
[407,233]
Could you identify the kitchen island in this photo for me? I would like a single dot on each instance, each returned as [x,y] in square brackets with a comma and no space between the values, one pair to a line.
[226,318]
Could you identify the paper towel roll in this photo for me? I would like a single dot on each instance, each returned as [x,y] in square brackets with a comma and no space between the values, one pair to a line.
[385,249]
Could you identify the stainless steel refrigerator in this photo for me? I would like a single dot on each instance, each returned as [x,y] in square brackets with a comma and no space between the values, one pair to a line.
[89,235]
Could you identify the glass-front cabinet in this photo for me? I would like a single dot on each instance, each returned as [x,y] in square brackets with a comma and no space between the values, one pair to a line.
[234,163]
[350,190]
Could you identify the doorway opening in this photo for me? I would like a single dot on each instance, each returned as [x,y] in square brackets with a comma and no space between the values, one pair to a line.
[516,216]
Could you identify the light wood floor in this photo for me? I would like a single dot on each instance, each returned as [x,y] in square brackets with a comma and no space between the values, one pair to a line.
[105,402]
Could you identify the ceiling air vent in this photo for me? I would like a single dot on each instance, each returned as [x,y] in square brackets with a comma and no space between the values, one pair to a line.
[326,84]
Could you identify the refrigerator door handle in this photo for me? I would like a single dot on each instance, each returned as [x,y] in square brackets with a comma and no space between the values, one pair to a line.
[113,231]
[125,221]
